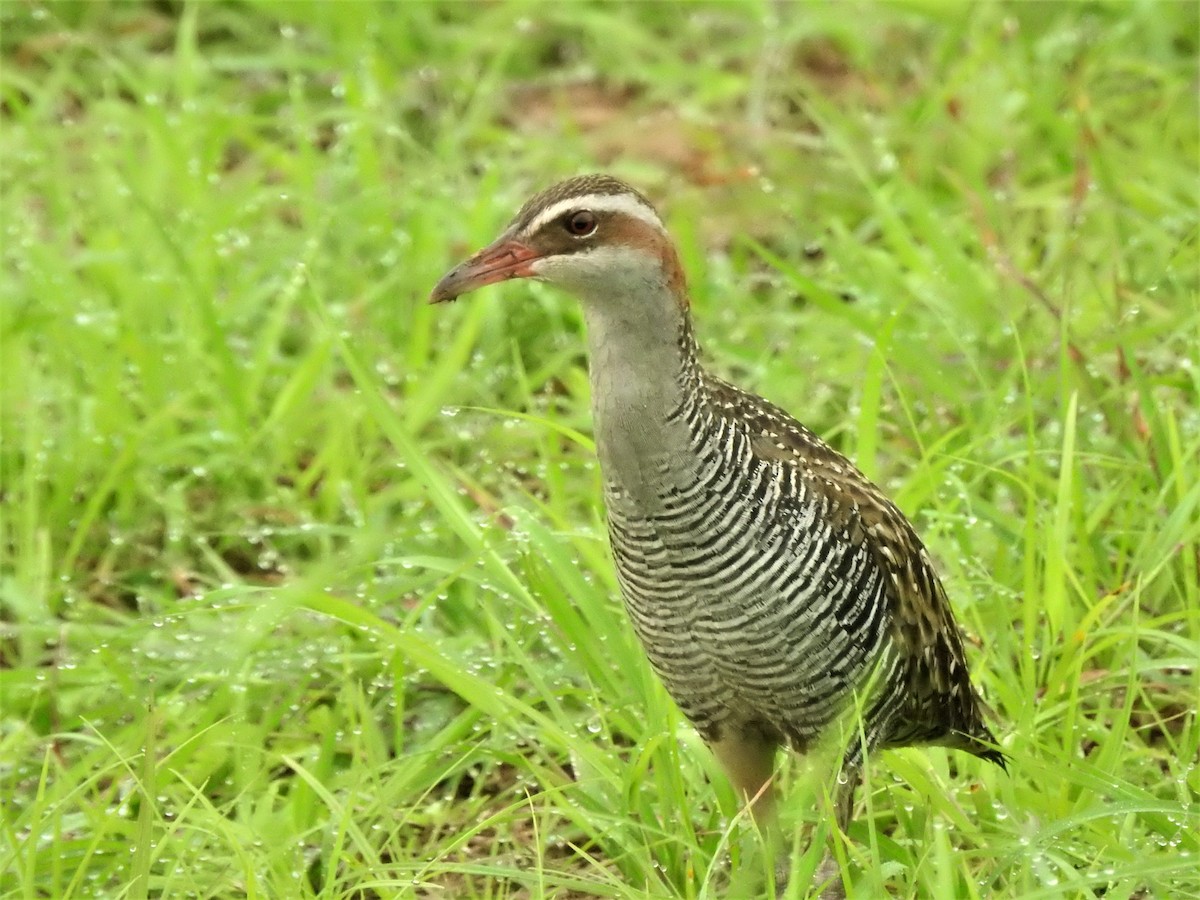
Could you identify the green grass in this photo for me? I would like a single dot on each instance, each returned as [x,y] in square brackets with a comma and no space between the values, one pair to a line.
[304,589]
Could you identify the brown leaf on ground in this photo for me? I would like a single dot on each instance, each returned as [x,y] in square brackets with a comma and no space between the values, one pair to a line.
[616,123]
[488,504]
[828,65]
[187,583]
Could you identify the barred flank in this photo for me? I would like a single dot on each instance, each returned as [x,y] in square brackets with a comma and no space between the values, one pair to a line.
[762,589]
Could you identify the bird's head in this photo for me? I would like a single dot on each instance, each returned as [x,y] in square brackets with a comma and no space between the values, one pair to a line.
[592,235]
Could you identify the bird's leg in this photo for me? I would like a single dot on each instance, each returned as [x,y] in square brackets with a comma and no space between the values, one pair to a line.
[843,798]
[828,869]
[748,758]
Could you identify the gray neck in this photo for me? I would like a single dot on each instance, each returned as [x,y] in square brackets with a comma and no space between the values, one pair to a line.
[639,351]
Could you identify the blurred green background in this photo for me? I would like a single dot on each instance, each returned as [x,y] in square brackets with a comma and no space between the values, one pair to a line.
[304,589]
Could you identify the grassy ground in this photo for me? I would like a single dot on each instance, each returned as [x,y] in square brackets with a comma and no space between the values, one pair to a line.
[305,591]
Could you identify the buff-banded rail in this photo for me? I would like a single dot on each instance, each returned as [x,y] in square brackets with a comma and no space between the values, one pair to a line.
[779,595]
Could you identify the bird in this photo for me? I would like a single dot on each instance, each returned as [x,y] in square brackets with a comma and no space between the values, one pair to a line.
[780,596]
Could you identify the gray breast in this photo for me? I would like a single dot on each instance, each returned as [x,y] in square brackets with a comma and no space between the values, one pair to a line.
[748,605]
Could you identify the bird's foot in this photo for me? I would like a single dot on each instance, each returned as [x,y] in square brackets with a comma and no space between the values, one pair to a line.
[828,874]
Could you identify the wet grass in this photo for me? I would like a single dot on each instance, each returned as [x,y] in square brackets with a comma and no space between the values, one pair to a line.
[304,589]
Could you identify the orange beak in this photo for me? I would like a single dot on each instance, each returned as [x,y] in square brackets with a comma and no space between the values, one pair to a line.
[500,261]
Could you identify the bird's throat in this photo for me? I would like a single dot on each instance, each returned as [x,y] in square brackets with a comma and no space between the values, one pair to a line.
[640,359]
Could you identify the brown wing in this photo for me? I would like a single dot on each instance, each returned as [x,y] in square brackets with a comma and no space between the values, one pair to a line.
[941,706]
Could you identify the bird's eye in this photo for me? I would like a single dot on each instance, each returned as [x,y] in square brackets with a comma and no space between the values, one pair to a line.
[581,223]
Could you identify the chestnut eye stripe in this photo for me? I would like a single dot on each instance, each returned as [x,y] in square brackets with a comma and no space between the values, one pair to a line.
[615,203]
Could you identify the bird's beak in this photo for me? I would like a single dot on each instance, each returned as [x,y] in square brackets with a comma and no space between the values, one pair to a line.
[506,258]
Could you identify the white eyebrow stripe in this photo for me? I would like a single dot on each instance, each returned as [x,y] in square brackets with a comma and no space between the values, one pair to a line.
[621,203]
